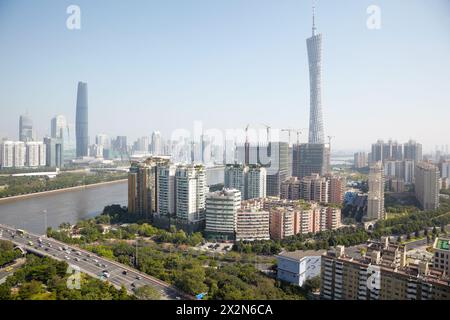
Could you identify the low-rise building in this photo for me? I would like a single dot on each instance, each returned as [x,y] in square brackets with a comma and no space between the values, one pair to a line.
[298,266]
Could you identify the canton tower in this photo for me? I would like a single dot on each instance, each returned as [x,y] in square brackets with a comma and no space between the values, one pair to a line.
[314,44]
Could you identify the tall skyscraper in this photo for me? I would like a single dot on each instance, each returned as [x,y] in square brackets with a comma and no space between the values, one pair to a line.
[375,199]
[82,132]
[314,44]
[427,185]
[25,128]
[58,126]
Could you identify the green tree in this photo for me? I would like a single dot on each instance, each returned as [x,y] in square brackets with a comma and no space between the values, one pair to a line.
[147,293]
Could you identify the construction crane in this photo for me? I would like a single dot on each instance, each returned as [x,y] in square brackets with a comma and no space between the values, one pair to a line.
[246,133]
[289,133]
[329,141]
[268,131]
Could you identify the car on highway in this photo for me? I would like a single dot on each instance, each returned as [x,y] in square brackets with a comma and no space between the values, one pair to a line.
[124,272]
[138,277]
[66,257]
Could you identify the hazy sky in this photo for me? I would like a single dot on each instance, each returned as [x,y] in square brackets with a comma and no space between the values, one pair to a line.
[161,65]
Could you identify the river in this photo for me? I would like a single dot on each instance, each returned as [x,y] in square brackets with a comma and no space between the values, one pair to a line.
[70,206]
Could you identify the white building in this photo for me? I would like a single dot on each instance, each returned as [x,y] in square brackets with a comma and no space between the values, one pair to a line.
[256,182]
[166,190]
[298,266]
[221,213]
[234,177]
[35,154]
[250,180]
[191,189]
[12,154]
[58,127]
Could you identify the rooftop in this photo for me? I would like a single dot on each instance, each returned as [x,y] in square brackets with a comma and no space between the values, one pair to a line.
[442,244]
[300,254]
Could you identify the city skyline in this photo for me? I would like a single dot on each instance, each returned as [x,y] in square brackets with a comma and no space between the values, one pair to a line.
[353,128]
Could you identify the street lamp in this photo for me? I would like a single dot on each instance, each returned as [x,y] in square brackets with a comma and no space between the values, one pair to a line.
[44,212]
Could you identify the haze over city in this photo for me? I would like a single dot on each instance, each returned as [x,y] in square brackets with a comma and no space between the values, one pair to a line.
[163,65]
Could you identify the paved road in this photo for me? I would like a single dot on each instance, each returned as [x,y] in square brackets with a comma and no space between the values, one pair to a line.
[89,263]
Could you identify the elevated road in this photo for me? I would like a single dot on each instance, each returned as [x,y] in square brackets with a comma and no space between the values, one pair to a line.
[116,273]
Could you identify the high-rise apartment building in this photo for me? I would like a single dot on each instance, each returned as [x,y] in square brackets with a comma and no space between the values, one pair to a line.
[314,188]
[12,154]
[256,182]
[235,177]
[412,150]
[143,186]
[221,214]
[360,160]
[191,190]
[249,180]
[35,154]
[375,199]
[290,189]
[282,221]
[252,224]
[81,122]
[336,189]
[166,190]
[427,185]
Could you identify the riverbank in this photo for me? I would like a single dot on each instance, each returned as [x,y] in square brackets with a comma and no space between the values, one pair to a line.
[56,191]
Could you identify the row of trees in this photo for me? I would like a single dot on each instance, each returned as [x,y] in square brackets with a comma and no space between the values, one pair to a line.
[25,185]
[46,279]
[7,253]
[348,236]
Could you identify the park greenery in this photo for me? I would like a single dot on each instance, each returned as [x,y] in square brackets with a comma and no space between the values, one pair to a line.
[46,279]
[7,253]
[13,186]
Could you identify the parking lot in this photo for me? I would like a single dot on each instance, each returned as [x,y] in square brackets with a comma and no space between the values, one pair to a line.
[215,247]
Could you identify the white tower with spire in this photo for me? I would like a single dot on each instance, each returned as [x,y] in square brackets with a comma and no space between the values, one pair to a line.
[314,45]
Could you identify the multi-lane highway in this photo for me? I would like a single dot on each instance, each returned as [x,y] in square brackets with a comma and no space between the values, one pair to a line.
[87,262]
